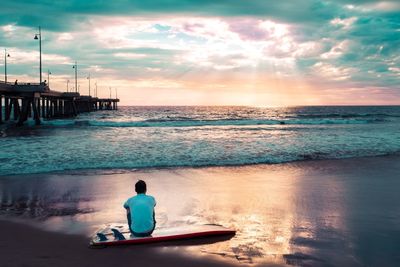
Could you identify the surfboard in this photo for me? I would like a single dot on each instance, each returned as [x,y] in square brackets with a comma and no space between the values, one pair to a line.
[112,231]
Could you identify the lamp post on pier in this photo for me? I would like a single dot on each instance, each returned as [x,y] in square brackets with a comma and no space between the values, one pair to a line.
[40,51]
[110,92]
[76,76]
[67,85]
[89,83]
[6,55]
[95,92]
[48,77]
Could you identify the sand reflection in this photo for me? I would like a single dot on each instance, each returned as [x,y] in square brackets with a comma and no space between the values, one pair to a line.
[258,204]
[283,214]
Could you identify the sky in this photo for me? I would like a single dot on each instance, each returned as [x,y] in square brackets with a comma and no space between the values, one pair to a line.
[210,52]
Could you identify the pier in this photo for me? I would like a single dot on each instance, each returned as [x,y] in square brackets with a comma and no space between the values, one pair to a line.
[38,101]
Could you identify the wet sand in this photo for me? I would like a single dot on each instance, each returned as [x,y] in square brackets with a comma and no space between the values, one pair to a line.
[315,213]
[23,245]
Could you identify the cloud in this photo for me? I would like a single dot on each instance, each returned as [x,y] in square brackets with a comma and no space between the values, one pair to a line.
[326,44]
[333,72]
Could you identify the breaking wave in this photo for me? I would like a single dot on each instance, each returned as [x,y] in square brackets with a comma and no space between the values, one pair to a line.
[199,123]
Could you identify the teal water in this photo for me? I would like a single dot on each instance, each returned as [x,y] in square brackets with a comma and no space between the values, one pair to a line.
[145,137]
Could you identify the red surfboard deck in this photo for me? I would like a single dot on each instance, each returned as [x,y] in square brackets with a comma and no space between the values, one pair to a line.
[162,234]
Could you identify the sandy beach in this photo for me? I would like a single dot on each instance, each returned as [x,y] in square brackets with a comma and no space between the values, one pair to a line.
[312,213]
[23,245]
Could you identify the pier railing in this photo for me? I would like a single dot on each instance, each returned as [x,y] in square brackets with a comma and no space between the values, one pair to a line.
[33,100]
[19,83]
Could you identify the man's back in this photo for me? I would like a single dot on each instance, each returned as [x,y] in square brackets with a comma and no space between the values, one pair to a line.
[141,209]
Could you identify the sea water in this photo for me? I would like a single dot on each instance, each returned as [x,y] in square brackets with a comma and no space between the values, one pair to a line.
[154,137]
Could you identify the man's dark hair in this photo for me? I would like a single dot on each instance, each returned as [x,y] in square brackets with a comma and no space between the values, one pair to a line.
[140,187]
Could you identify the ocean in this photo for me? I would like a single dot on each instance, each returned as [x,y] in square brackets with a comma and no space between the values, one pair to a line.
[157,137]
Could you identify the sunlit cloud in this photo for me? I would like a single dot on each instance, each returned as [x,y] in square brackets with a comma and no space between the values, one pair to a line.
[337,50]
[344,23]
[18,56]
[326,70]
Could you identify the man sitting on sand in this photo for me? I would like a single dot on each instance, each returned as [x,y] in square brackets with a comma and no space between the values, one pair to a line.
[140,211]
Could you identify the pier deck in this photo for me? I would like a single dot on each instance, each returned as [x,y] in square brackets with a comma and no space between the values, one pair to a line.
[22,101]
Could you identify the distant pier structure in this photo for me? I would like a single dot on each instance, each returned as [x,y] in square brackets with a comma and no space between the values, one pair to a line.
[37,101]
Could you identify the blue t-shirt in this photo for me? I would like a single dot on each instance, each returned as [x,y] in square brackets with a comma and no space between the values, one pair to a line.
[141,208]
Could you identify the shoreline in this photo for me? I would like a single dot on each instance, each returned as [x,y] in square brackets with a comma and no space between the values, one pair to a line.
[298,213]
[113,171]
